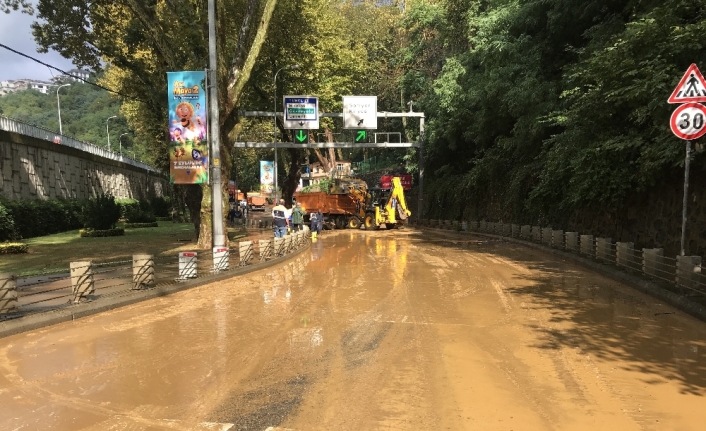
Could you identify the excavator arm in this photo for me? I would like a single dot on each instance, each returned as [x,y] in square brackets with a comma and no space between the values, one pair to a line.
[395,207]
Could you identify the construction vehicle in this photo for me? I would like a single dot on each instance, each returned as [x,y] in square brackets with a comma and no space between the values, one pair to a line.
[256,202]
[388,207]
[343,205]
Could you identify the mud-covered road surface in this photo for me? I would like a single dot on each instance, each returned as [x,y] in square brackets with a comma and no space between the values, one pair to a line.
[388,330]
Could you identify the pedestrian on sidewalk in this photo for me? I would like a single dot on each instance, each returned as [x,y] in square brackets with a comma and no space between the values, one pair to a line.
[298,217]
[279,217]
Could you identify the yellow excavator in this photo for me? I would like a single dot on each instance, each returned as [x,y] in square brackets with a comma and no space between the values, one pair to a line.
[389,208]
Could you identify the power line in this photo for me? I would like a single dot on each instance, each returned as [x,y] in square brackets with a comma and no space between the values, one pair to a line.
[72,76]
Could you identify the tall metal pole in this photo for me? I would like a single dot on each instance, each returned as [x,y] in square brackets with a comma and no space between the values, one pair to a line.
[58,106]
[216,192]
[274,123]
[686,196]
[120,139]
[107,130]
[420,204]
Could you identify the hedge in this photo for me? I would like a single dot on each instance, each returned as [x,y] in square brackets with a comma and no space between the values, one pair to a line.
[140,225]
[39,217]
[13,248]
[164,219]
[7,225]
[94,233]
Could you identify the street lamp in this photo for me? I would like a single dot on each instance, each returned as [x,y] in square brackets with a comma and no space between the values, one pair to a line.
[274,128]
[107,131]
[58,105]
[120,139]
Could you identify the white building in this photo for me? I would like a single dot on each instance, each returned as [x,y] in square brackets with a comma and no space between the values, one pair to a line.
[12,86]
[76,75]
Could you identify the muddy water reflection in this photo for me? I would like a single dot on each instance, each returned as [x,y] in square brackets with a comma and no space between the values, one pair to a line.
[371,330]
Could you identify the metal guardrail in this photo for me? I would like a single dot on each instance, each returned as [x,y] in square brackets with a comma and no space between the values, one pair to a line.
[17,126]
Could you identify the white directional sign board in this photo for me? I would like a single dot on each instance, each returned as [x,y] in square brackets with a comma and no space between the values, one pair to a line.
[360,112]
[301,112]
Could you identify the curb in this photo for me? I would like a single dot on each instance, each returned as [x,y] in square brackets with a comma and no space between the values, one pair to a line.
[53,317]
[677,301]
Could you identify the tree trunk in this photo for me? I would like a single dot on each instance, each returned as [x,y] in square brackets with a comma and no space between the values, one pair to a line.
[292,180]
[192,199]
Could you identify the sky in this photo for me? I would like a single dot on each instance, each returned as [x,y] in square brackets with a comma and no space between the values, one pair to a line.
[16,33]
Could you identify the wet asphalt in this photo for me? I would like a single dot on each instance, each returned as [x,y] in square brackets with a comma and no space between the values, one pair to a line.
[371,330]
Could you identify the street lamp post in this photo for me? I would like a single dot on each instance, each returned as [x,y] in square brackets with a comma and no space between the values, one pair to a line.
[274,128]
[58,106]
[120,139]
[107,131]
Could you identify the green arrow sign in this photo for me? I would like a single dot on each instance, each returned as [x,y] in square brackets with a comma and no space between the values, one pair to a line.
[301,136]
[361,135]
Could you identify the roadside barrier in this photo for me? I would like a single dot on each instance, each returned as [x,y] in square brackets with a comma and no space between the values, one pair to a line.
[88,281]
[684,272]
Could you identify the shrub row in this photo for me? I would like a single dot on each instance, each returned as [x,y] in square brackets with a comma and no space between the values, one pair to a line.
[140,225]
[13,248]
[32,218]
[96,233]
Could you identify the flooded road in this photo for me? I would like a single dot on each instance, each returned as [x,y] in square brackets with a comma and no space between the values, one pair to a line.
[371,330]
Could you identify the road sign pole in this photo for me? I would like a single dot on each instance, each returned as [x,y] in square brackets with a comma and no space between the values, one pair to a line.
[219,238]
[420,202]
[686,196]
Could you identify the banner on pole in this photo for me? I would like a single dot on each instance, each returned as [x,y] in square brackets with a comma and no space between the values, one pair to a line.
[267,176]
[188,146]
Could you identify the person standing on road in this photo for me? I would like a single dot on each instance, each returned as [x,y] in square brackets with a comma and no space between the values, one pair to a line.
[279,217]
[319,222]
[298,217]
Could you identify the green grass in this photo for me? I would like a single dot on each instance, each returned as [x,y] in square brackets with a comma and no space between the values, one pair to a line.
[53,253]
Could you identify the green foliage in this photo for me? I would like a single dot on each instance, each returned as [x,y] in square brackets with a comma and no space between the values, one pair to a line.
[7,225]
[160,206]
[323,186]
[13,248]
[34,218]
[101,233]
[101,213]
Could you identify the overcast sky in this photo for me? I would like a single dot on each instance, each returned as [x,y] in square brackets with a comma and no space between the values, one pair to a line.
[16,33]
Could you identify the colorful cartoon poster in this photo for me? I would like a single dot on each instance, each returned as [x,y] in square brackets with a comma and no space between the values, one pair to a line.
[267,176]
[188,146]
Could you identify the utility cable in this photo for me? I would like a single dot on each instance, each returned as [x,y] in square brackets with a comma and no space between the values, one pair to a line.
[72,76]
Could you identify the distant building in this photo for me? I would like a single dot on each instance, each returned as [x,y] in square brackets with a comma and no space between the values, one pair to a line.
[317,173]
[12,86]
[76,75]
[7,87]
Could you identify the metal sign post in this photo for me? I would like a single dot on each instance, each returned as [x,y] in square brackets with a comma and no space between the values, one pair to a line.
[686,196]
[215,141]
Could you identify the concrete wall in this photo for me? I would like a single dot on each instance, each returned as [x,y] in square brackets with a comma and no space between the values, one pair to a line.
[33,168]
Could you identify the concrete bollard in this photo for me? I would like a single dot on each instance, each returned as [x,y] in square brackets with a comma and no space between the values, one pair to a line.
[688,271]
[547,236]
[8,293]
[464,226]
[526,232]
[507,230]
[187,265]
[82,280]
[625,255]
[572,241]
[246,250]
[558,239]
[587,245]
[267,249]
[536,234]
[288,244]
[652,262]
[491,227]
[221,259]
[515,231]
[279,246]
[604,249]
[142,271]
[483,226]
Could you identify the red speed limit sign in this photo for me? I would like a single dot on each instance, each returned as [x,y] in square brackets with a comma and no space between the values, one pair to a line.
[689,121]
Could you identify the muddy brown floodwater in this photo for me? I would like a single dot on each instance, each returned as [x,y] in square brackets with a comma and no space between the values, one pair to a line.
[366,331]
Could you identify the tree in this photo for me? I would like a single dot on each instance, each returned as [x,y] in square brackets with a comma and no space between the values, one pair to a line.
[141,41]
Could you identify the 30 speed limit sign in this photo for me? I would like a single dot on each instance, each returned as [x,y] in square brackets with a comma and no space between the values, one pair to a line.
[689,121]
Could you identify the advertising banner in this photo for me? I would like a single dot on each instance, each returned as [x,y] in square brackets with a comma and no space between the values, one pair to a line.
[267,176]
[188,147]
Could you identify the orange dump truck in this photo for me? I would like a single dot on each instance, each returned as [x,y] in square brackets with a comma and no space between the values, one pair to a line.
[339,210]
[256,202]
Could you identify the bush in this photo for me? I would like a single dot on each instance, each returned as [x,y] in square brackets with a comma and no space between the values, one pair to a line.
[140,225]
[7,225]
[164,218]
[99,233]
[101,213]
[161,206]
[13,248]
[39,217]
[127,205]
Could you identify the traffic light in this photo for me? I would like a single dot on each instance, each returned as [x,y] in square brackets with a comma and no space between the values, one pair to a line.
[301,136]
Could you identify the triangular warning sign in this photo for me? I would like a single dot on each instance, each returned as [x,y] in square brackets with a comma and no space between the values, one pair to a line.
[691,88]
